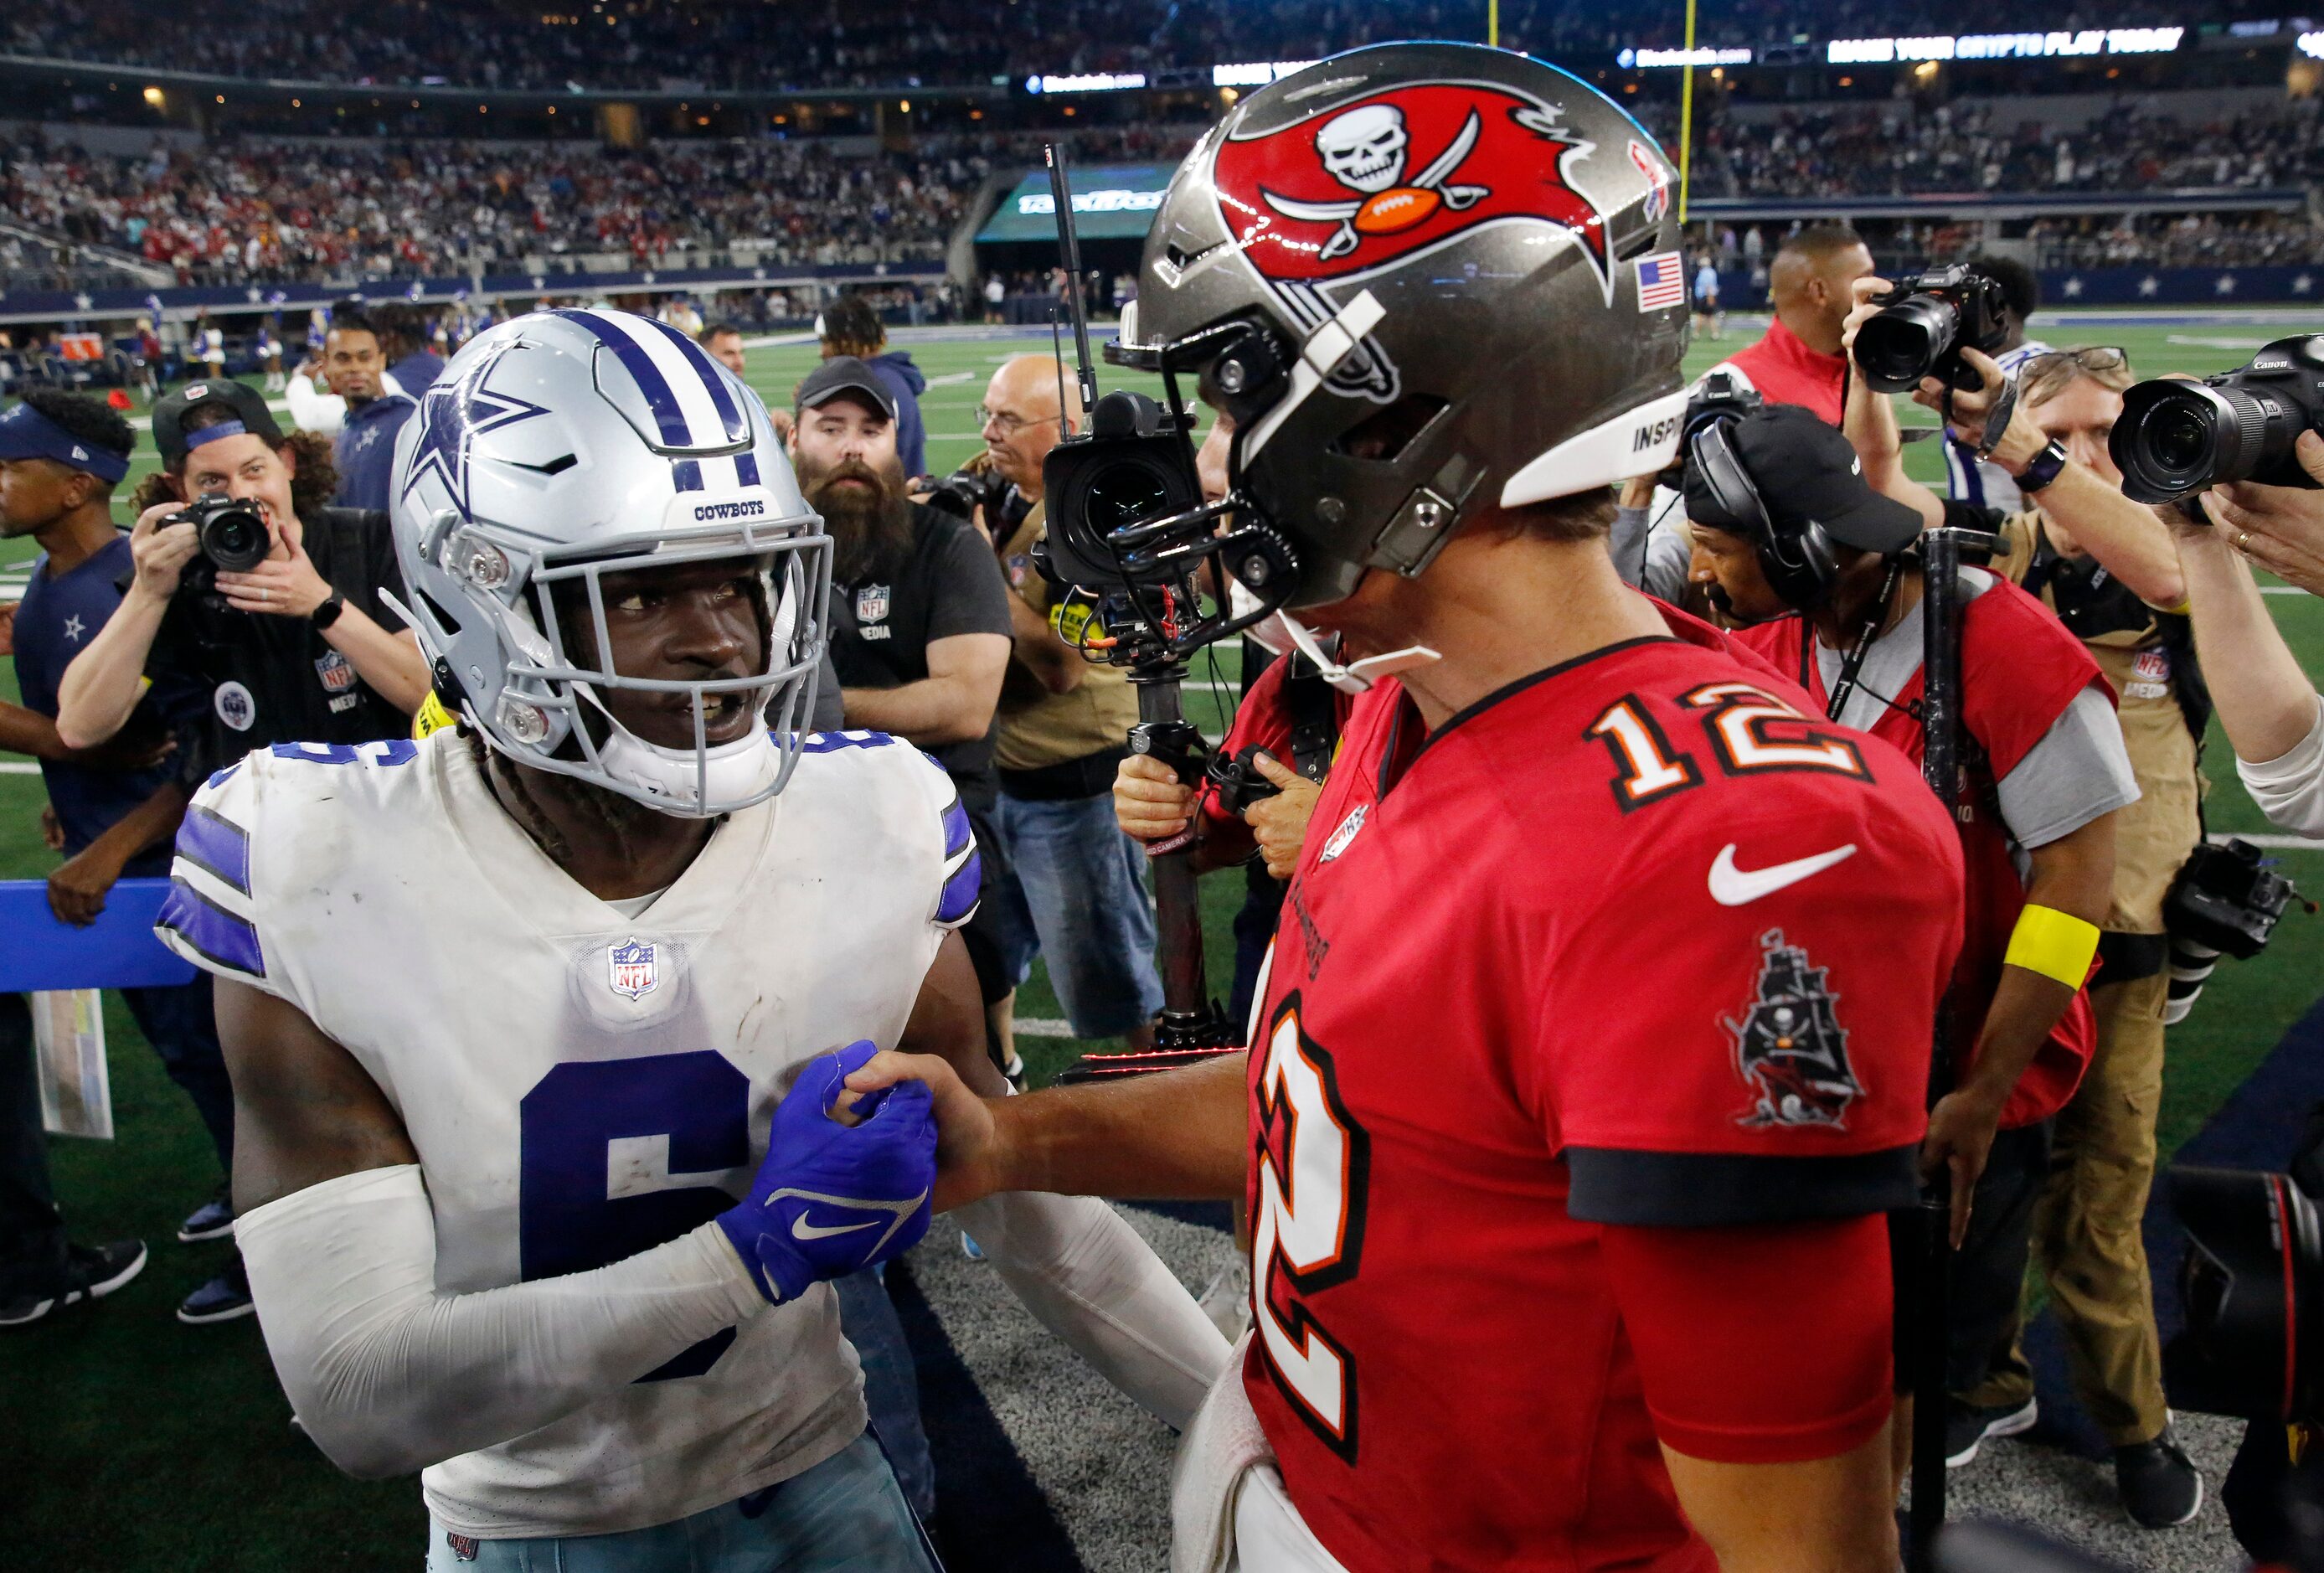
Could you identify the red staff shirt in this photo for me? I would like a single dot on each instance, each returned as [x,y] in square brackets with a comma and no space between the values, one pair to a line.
[1789,373]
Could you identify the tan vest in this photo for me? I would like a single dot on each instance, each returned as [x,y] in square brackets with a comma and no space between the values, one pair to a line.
[1038,727]
[2153,836]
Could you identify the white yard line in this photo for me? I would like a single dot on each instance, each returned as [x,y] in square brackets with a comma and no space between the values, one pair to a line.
[2270,843]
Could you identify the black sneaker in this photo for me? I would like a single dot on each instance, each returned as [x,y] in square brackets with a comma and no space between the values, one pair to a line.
[212,1220]
[1967,1427]
[2160,1485]
[222,1300]
[90,1274]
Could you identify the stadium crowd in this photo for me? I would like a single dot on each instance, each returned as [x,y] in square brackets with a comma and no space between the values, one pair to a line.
[1897,150]
[249,212]
[663,43]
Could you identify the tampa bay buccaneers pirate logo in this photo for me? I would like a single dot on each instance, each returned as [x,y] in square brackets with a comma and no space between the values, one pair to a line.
[1355,187]
[1789,1045]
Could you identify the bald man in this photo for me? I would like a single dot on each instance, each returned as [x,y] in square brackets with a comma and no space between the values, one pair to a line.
[1798,361]
[1078,891]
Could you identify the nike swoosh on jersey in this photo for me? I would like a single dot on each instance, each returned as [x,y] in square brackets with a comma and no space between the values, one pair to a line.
[803,1230]
[1734,887]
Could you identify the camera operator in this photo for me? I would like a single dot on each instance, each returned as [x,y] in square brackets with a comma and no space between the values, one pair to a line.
[1814,559]
[1969,477]
[2105,567]
[1798,360]
[2270,711]
[354,362]
[1079,891]
[296,649]
[1286,728]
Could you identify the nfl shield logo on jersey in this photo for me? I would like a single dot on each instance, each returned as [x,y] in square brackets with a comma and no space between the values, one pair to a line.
[633,967]
[872,603]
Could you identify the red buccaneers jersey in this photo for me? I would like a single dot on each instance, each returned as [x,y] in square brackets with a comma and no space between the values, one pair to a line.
[1628,942]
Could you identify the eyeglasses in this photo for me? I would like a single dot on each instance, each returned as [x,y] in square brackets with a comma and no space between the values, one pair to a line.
[1006,423]
[2096,357]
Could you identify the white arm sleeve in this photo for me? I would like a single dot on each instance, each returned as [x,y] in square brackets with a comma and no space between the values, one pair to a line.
[312,410]
[2290,791]
[388,1376]
[1086,1276]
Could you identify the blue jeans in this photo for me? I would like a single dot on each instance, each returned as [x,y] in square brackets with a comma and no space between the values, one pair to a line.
[1079,898]
[891,1383]
[845,1513]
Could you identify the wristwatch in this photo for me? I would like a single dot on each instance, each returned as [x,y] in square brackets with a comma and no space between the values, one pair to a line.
[2044,469]
[324,616]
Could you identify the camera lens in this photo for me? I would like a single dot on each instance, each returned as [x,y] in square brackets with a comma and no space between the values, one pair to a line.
[1904,343]
[1122,494]
[234,538]
[2179,437]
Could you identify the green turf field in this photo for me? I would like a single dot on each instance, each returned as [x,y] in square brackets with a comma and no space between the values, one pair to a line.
[130,1442]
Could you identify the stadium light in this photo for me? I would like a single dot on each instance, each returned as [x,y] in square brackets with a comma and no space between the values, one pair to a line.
[153,97]
[2311,45]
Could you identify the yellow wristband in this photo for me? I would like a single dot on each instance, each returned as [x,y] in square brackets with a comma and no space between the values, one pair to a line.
[2052,943]
[432,718]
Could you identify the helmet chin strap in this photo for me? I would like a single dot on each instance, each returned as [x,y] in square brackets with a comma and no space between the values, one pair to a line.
[1282,633]
[731,775]
[1354,677]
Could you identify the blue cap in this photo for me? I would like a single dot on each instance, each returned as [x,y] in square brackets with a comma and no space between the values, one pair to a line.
[26,433]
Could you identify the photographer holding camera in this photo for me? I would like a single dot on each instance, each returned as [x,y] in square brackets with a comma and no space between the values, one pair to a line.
[264,622]
[2105,567]
[2270,712]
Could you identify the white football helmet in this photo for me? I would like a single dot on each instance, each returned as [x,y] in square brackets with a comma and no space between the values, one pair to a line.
[567,445]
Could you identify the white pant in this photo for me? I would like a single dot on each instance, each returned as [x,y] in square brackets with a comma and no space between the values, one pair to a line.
[1229,1511]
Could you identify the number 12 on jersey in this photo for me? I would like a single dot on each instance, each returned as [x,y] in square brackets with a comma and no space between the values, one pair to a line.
[1313,1174]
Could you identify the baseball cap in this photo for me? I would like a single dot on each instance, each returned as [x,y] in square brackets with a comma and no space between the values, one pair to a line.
[249,414]
[843,373]
[26,433]
[1806,471]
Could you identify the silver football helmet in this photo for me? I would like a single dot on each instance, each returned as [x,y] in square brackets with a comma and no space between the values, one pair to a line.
[1425,278]
[567,445]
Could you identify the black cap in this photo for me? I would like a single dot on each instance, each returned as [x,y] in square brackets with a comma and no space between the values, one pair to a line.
[1807,472]
[247,404]
[843,373]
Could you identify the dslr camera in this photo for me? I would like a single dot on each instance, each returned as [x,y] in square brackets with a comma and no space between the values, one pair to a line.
[232,535]
[972,486]
[1924,324]
[2177,437]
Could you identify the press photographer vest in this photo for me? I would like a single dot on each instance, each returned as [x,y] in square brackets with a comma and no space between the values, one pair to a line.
[2148,658]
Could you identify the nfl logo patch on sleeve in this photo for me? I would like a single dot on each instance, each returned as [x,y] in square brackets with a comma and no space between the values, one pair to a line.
[635,970]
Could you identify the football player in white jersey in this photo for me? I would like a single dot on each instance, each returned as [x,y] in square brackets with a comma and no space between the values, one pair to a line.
[511,1010]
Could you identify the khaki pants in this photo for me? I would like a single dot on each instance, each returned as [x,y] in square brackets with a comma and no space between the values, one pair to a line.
[2087,1240]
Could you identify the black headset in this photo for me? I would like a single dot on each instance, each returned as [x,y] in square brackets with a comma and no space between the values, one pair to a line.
[1801,561]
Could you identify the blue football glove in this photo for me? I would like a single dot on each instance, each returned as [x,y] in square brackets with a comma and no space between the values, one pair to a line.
[830,1199]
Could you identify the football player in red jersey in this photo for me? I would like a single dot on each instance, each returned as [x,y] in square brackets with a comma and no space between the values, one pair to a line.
[1596,1044]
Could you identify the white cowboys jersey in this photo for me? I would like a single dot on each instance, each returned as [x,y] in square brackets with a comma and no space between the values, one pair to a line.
[581,1086]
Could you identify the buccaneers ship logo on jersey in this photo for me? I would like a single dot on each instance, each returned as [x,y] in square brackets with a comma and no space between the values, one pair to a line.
[1789,1046]
[1350,190]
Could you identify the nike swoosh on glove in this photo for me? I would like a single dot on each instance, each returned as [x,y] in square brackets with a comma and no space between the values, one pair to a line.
[832,1199]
